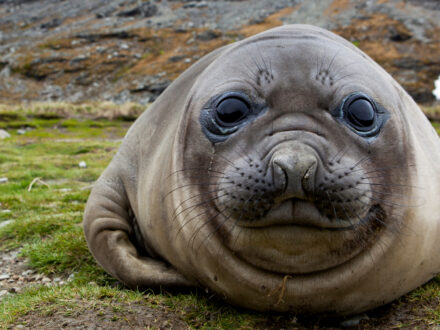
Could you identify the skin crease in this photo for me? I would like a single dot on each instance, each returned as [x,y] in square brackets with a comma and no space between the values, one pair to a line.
[294,210]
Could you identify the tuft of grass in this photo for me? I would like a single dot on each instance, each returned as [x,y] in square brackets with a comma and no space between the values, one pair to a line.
[56,110]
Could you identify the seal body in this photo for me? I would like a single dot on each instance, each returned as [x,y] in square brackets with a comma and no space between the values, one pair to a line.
[285,172]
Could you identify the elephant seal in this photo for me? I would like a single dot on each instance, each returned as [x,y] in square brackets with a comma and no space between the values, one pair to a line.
[285,172]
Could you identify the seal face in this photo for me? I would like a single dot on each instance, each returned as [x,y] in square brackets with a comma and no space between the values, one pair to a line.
[283,172]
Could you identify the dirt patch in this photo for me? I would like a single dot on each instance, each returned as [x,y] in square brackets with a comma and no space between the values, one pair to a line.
[16,275]
[103,315]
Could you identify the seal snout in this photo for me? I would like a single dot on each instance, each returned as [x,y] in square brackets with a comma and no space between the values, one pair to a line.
[294,170]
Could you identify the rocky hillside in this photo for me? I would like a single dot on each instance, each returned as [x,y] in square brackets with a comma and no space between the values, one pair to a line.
[130,50]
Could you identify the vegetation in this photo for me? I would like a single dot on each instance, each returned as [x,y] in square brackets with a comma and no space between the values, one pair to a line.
[46,193]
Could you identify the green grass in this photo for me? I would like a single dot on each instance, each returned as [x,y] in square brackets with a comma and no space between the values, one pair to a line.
[47,228]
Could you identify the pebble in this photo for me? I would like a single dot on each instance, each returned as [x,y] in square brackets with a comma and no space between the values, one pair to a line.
[4,134]
[5,211]
[21,131]
[82,164]
[4,277]
[5,223]
[3,180]
[66,189]
[354,320]
[3,293]
[27,272]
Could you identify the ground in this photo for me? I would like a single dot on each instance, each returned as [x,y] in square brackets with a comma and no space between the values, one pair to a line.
[48,279]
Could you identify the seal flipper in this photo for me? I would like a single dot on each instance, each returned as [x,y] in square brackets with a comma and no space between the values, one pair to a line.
[108,229]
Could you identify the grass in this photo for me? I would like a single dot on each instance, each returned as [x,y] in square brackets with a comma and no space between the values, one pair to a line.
[47,228]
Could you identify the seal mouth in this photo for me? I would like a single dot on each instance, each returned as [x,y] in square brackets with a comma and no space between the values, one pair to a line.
[298,212]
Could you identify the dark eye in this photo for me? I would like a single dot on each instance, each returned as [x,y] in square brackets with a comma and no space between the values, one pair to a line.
[232,110]
[361,114]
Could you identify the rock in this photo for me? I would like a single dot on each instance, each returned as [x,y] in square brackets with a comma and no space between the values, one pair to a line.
[28,272]
[5,223]
[4,134]
[82,164]
[21,131]
[51,24]
[4,277]
[146,10]
[79,58]
[46,280]
[4,180]
[5,211]
[3,293]
[177,58]
[208,35]
[354,321]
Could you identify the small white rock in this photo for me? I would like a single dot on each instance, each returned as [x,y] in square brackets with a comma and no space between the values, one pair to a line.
[4,134]
[3,180]
[187,60]
[3,293]
[5,211]
[5,223]
[4,277]
[46,280]
[65,189]
[71,277]
[82,164]
[124,46]
[21,131]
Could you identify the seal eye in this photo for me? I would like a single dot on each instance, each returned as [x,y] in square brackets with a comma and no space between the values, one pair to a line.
[361,114]
[232,110]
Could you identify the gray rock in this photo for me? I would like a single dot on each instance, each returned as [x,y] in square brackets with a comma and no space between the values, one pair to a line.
[208,35]
[5,223]
[4,277]
[354,320]
[4,180]
[4,134]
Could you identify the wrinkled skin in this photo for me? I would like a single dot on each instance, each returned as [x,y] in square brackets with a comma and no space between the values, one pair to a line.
[291,209]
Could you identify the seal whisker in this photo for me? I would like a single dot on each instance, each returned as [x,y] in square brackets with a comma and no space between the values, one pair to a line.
[331,62]
[390,203]
[193,184]
[192,169]
[185,222]
[382,169]
[219,225]
[186,200]
[392,185]
[342,152]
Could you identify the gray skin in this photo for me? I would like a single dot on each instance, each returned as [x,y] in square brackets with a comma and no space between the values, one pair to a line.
[291,209]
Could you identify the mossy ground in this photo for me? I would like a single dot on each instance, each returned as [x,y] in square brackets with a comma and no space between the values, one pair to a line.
[47,227]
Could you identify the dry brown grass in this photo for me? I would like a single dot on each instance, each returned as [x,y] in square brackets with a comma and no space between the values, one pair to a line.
[94,110]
